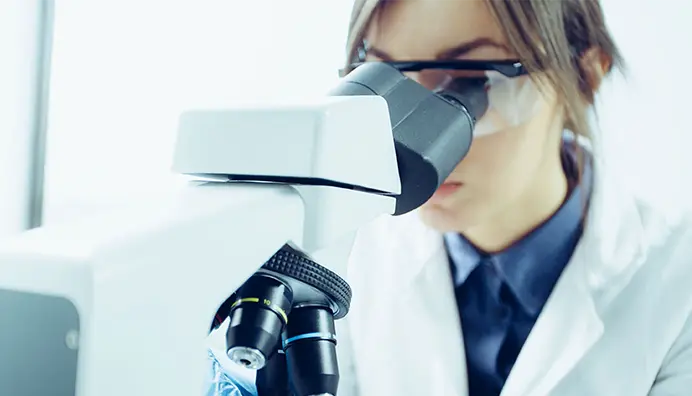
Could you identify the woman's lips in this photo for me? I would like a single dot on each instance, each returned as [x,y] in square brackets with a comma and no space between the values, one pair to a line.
[445,190]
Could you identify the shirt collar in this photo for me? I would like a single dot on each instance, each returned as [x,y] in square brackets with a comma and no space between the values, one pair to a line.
[532,265]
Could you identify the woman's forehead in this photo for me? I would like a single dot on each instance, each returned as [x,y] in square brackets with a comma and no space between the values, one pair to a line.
[426,29]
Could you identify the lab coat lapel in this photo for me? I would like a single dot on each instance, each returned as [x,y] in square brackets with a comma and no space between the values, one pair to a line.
[412,329]
[609,253]
[437,364]
[431,301]
[564,332]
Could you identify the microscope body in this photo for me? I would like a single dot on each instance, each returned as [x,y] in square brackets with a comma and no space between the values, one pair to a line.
[122,304]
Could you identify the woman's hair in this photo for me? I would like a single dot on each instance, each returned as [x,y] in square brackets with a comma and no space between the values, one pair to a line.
[548,36]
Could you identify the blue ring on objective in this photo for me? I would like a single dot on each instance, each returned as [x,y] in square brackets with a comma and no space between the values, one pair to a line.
[321,336]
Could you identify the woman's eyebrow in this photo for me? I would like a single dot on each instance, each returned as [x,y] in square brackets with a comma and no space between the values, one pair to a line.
[451,53]
[470,46]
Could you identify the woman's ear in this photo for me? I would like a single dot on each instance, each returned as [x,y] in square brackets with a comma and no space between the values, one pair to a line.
[595,63]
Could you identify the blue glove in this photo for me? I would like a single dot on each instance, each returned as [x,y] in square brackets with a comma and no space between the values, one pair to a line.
[223,383]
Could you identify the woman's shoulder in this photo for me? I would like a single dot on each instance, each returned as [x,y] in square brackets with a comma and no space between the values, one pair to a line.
[660,294]
[624,222]
[665,226]
[662,255]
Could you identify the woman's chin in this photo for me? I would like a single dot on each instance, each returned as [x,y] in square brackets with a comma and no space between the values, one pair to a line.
[439,217]
[448,215]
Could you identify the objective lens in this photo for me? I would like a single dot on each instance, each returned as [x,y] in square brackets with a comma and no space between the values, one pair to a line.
[272,380]
[310,346]
[258,317]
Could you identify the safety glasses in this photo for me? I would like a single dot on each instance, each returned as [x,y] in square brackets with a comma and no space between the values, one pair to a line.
[513,98]
[507,68]
[472,68]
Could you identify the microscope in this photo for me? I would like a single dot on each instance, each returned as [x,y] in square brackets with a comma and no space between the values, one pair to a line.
[122,304]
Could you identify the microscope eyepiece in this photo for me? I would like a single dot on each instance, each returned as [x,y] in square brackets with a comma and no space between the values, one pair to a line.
[468,95]
[257,320]
[425,158]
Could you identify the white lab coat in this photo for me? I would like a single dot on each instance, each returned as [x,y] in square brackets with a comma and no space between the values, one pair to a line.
[617,323]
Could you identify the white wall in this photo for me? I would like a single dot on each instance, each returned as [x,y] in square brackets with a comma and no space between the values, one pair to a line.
[123,71]
[645,120]
[20,31]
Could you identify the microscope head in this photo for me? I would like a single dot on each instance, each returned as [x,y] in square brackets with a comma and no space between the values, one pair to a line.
[379,144]
[346,140]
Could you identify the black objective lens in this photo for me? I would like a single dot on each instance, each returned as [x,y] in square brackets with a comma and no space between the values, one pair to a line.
[258,317]
[310,347]
[272,379]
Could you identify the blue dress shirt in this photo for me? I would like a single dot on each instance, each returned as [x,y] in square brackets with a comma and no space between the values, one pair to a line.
[501,295]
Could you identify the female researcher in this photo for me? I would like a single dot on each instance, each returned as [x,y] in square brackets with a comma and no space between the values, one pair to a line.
[530,271]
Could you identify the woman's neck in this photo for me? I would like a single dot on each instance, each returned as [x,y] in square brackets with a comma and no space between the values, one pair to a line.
[542,199]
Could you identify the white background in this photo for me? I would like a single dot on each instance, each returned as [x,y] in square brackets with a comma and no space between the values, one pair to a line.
[123,70]
[645,121]
[18,70]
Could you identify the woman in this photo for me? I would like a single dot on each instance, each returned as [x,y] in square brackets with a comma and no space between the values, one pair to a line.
[562,283]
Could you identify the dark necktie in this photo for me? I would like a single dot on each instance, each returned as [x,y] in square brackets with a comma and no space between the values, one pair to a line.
[484,306]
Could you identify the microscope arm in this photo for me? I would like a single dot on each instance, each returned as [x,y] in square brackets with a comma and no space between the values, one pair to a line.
[123,304]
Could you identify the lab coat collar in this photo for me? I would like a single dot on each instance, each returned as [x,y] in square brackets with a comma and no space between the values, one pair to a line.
[609,253]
